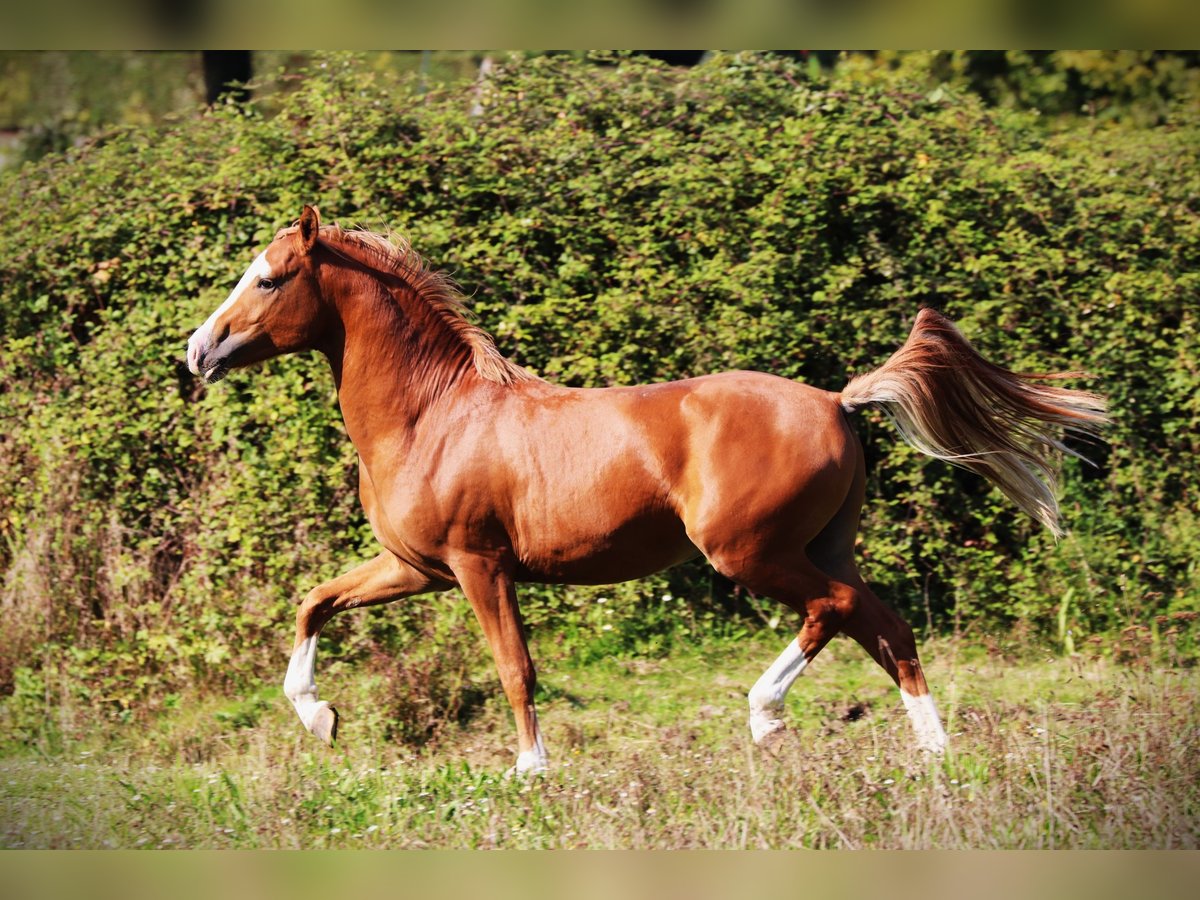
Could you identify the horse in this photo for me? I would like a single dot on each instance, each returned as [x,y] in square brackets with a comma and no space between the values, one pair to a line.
[474,473]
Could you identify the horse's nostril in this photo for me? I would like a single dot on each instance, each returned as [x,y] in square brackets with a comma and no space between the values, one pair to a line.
[195,355]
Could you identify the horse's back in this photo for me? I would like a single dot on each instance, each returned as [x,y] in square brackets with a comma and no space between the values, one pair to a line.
[656,473]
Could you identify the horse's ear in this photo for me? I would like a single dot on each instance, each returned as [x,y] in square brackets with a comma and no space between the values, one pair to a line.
[310,225]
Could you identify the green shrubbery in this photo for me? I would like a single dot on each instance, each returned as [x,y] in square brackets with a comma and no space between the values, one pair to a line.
[613,224]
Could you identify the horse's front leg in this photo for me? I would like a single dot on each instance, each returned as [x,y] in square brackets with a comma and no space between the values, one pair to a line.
[383,579]
[493,596]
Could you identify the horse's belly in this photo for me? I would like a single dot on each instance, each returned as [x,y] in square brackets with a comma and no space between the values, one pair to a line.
[633,549]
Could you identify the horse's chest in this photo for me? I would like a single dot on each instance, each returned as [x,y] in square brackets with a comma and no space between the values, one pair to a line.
[415,520]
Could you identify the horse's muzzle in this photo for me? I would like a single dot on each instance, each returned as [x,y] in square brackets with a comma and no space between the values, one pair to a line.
[200,361]
[207,358]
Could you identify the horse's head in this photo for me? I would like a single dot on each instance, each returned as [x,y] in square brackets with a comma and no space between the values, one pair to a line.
[276,308]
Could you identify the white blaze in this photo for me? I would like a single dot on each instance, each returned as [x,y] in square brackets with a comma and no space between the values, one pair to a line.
[766,697]
[200,340]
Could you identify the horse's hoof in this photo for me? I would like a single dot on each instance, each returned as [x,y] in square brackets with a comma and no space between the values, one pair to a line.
[763,726]
[773,742]
[325,724]
[517,772]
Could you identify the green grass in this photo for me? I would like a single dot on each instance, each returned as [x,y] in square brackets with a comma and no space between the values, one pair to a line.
[1046,753]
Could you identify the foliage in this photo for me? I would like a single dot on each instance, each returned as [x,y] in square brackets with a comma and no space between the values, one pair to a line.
[614,224]
[52,100]
[1135,86]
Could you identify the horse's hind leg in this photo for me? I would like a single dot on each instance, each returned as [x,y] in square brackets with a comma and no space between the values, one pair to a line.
[840,601]
[880,631]
[825,604]
[890,641]
[825,587]
[383,579]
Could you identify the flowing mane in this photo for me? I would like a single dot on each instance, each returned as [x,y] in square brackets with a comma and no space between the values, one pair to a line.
[393,255]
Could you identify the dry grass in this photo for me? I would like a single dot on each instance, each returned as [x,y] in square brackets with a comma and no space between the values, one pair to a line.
[1053,753]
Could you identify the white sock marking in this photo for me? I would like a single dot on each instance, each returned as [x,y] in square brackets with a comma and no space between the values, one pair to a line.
[925,721]
[766,697]
[535,759]
[299,684]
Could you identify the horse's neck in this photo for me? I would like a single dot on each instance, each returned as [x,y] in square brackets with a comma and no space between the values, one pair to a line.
[395,363]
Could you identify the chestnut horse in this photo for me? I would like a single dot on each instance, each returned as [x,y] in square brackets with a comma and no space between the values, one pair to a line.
[475,473]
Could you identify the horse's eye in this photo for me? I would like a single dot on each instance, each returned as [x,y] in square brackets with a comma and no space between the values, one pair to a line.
[266,284]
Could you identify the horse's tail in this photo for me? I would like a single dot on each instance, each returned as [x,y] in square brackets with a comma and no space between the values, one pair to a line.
[951,403]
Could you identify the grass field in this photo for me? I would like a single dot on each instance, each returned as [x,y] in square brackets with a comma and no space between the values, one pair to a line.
[1046,753]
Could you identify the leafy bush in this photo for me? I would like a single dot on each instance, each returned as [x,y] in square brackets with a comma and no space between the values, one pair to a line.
[614,224]
[1134,86]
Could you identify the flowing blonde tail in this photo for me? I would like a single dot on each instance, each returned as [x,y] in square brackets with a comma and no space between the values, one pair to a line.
[951,403]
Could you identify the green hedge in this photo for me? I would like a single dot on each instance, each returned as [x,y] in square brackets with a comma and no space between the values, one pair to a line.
[613,224]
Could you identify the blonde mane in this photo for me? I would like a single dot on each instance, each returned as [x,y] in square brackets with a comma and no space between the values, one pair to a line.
[393,255]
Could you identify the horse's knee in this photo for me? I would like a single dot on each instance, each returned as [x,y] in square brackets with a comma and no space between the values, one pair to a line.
[314,611]
[517,674]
